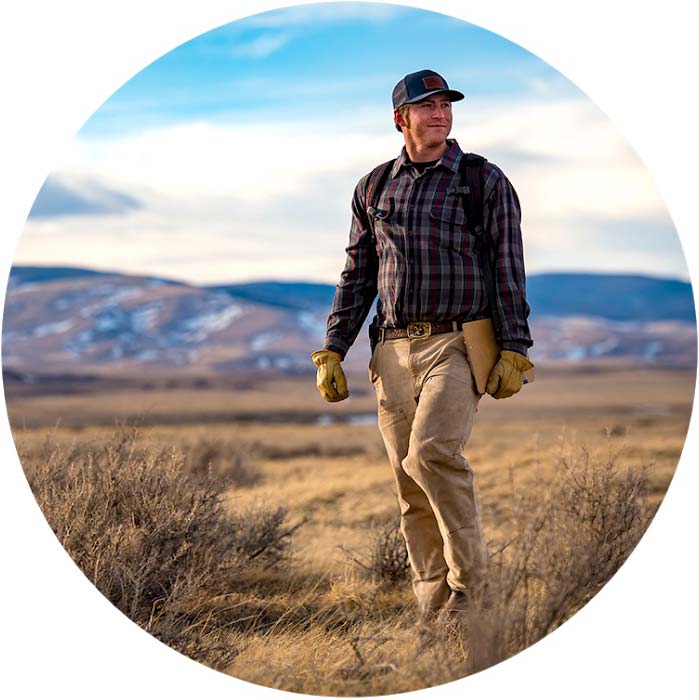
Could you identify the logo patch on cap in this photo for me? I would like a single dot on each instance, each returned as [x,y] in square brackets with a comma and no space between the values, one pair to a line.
[433,82]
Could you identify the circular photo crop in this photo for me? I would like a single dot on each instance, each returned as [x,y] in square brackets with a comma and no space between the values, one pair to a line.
[349,350]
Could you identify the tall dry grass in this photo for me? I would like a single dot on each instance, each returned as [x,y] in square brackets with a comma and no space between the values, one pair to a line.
[568,534]
[158,533]
[153,536]
[571,535]
[386,557]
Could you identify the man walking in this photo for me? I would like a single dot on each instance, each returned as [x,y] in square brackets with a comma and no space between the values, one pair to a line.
[417,244]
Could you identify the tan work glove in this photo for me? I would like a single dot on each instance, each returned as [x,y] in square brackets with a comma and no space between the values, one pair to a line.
[507,376]
[330,378]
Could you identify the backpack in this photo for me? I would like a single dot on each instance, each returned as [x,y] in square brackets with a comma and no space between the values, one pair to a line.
[471,185]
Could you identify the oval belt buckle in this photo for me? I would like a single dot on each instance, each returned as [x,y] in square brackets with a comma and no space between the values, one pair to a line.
[419,329]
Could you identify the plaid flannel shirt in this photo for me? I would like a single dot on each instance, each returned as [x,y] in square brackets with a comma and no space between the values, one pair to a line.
[421,260]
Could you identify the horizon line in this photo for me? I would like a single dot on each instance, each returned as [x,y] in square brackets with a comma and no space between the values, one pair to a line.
[106,271]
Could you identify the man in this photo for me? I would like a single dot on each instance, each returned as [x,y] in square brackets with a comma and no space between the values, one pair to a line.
[411,243]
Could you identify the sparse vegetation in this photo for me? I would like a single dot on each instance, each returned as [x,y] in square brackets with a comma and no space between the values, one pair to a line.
[232,463]
[154,536]
[193,530]
[570,536]
[387,559]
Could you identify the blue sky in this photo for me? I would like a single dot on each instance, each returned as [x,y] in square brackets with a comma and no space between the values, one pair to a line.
[234,156]
[302,60]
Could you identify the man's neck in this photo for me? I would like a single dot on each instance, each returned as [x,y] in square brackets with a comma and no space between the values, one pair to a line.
[419,153]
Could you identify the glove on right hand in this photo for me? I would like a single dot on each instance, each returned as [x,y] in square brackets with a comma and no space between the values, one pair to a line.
[330,379]
[508,374]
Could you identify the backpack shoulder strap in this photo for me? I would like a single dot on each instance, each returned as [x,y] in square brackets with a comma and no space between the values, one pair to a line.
[471,170]
[472,184]
[376,183]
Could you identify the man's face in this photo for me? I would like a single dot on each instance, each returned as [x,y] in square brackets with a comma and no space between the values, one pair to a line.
[429,121]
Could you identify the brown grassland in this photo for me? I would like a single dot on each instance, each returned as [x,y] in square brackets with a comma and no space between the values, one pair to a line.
[235,526]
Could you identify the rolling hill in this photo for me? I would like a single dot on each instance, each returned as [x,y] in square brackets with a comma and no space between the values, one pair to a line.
[75,320]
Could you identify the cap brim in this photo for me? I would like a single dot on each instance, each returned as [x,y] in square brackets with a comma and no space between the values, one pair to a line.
[454,96]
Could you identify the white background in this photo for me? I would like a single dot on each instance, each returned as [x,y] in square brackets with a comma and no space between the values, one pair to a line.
[59,61]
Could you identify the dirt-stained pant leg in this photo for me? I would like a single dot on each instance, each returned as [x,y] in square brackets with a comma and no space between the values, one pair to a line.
[426,405]
[396,397]
[441,427]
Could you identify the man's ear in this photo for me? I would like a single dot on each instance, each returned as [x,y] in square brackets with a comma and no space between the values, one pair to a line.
[398,118]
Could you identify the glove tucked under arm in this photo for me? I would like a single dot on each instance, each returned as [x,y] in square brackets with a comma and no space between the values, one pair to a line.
[508,374]
[330,379]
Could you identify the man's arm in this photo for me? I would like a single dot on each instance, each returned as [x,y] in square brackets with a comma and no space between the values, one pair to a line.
[502,216]
[357,288]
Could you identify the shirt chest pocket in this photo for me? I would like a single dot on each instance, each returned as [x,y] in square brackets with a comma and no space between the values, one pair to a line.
[447,227]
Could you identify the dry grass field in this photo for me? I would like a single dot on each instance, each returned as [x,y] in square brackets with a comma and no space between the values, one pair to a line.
[249,525]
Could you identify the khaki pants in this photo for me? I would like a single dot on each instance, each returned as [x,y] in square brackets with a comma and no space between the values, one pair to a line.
[426,405]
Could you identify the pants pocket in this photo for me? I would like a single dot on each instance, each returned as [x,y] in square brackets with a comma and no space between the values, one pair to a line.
[373,364]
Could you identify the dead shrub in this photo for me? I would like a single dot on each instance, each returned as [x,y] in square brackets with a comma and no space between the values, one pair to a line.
[387,557]
[568,543]
[154,538]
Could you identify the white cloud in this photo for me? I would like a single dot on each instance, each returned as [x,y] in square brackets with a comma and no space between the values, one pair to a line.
[325,13]
[236,201]
[261,46]
[251,161]
[584,165]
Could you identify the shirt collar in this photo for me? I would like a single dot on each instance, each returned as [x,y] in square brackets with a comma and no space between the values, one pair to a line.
[450,159]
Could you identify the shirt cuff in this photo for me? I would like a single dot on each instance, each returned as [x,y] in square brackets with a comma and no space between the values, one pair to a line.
[337,346]
[520,348]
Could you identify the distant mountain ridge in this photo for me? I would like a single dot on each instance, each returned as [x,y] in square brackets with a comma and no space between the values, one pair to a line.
[615,297]
[34,274]
[287,295]
[64,319]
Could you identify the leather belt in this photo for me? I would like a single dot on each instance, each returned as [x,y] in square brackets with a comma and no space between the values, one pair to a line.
[419,329]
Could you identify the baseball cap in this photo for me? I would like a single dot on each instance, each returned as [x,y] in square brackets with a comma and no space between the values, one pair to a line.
[417,86]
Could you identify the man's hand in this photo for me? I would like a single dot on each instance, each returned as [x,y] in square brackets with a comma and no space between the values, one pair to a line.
[507,375]
[330,378]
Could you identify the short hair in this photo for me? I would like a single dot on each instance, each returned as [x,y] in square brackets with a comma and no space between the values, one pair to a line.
[403,111]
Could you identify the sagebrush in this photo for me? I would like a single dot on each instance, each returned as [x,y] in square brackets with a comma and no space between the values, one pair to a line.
[161,534]
[571,535]
[154,537]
